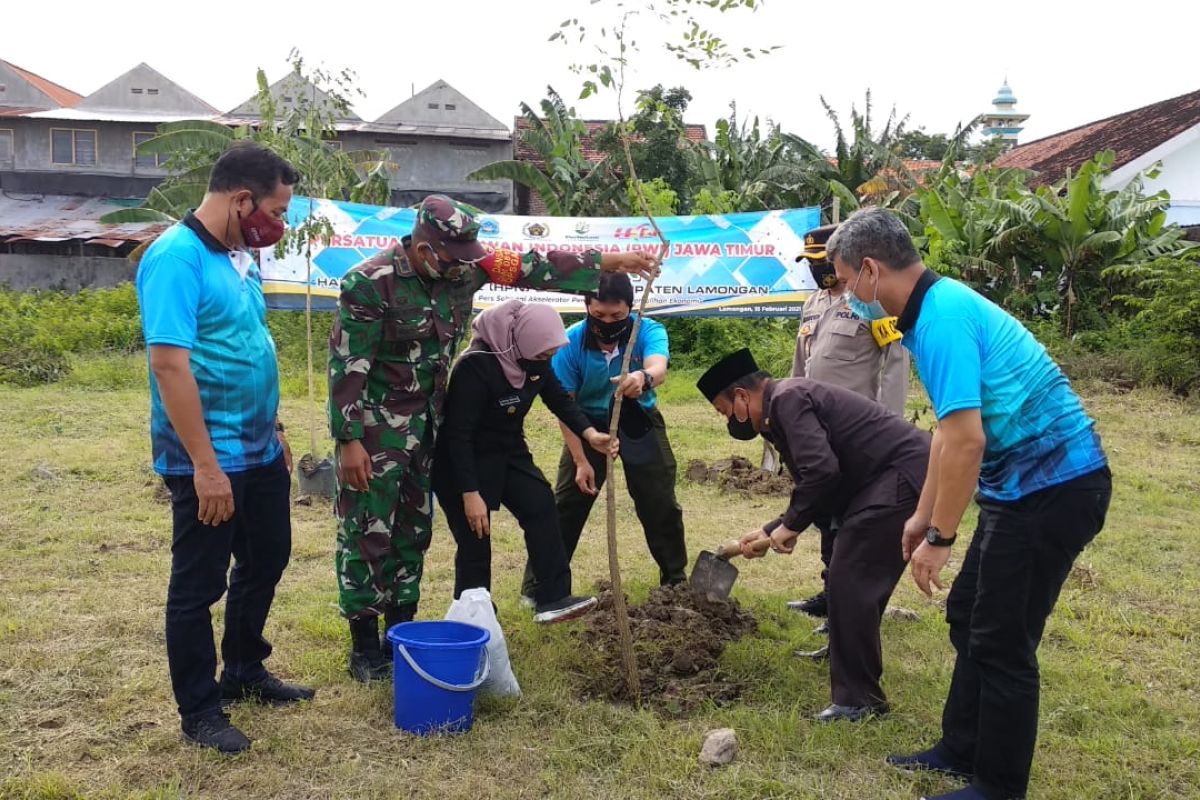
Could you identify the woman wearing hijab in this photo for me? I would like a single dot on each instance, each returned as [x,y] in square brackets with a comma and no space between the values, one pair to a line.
[483,461]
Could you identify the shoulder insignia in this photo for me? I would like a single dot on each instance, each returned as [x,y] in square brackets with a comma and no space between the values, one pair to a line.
[884,331]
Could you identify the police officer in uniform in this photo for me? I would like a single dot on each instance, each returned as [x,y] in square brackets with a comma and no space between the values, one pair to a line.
[836,346]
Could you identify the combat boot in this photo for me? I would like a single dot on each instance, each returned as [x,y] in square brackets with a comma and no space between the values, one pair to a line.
[394,615]
[366,657]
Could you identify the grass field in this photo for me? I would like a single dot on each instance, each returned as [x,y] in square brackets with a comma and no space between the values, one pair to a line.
[86,708]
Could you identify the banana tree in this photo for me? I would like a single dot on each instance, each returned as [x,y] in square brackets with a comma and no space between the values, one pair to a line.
[1075,229]
[566,181]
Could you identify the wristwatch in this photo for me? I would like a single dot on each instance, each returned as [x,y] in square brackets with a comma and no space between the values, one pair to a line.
[935,539]
[647,381]
[279,426]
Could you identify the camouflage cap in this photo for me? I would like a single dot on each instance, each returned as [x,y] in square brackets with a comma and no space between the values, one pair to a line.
[452,224]
[814,243]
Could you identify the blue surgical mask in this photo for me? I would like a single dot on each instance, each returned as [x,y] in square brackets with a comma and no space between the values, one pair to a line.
[869,311]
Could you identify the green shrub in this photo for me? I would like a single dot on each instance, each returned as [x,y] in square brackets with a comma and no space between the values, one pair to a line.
[696,342]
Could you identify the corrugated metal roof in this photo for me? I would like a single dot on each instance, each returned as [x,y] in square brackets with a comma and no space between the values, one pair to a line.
[56,218]
[83,115]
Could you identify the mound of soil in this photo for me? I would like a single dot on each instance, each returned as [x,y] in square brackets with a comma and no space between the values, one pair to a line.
[678,639]
[737,474]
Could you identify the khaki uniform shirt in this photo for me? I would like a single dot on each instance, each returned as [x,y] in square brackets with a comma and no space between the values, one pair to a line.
[836,346]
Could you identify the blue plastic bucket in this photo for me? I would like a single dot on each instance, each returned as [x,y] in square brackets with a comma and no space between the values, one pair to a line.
[438,667]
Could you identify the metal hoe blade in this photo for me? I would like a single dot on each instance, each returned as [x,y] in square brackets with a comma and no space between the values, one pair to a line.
[713,577]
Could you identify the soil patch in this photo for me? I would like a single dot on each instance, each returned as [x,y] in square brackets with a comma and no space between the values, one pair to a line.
[678,639]
[737,474]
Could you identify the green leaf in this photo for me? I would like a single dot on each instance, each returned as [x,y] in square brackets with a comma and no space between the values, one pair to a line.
[127,215]
[524,173]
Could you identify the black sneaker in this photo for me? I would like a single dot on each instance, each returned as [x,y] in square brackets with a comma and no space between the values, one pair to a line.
[270,691]
[214,730]
[371,665]
[935,759]
[569,607]
[815,606]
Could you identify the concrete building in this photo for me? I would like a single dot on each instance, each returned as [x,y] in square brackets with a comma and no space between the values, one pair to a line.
[87,146]
[433,140]
[53,141]
[65,160]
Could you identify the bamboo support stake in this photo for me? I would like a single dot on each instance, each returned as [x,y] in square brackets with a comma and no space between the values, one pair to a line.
[620,611]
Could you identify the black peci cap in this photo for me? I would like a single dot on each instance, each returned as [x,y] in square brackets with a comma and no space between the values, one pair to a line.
[725,372]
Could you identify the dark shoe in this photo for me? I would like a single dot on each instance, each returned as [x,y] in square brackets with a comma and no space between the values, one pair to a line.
[932,760]
[966,793]
[568,608]
[815,606]
[818,655]
[836,713]
[822,629]
[394,615]
[371,666]
[270,691]
[367,661]
[214,730]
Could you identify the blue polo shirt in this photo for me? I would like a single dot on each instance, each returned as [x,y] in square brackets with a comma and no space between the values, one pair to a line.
[585,371]
[196,294]
[972,354]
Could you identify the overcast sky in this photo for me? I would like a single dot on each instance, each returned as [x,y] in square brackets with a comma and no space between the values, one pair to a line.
[939,62]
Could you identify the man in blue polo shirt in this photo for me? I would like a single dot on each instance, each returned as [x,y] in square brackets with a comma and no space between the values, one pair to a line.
[1010,426]
[589,368]
[216,440]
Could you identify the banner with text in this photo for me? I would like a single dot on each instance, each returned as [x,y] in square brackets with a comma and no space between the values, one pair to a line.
[718,265]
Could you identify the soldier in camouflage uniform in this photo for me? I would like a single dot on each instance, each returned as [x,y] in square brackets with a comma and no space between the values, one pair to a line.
[401,318]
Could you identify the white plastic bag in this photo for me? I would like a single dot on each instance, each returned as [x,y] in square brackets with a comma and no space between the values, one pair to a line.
[474,607]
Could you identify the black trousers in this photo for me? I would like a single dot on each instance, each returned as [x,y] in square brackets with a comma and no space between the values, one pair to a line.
[259,540]
[652,487]
[827,532]
[526,493]
[997,609]
[864,568]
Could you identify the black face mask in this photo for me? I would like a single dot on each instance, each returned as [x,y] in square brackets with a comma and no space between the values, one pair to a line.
[741,430]
[738,429]
[534,366]
[609,332]
[823,273]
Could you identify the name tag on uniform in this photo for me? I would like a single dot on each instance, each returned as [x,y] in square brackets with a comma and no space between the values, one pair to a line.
[511,400]
[885,332]
[846,313]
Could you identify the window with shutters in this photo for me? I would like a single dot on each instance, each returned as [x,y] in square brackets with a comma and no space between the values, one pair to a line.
[6,146]
[73,146]
[148,160]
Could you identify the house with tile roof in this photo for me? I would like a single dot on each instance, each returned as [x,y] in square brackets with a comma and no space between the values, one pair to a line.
[1166,132]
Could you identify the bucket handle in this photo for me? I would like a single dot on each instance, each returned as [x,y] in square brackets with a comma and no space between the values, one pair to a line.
[484,670]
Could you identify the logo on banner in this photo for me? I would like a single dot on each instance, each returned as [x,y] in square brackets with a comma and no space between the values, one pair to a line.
[640,232]
[489,227]
[536,230]
[582,227]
